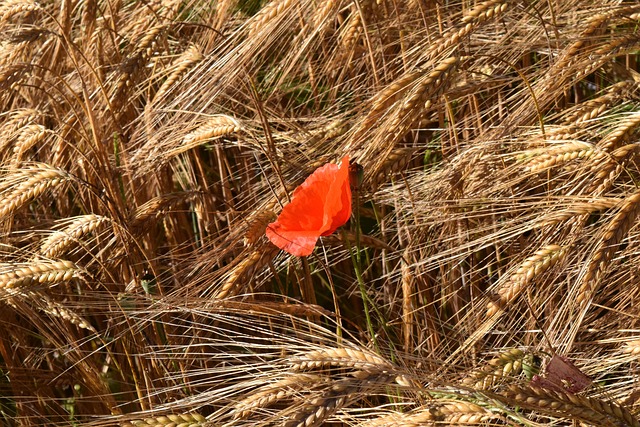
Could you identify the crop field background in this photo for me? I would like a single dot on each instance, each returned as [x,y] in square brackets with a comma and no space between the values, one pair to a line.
[490,272]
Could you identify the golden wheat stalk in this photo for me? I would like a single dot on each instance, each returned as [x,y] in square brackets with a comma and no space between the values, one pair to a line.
[215,127]
[593,108]
[632,347]
[158,207]
[531,268]
[576,209]
[29,136]
[609,168]
[144,49]
[268,13]
[257,225]
[466,413]
[624,129]
[481,13]
[318,409]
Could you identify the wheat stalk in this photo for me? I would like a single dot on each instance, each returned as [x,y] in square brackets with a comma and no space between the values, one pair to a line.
[577,209]
[479,14]
[215,127]
[610,168]
[632,347]
[557,155]
[268,13]
[257,225]
[621,133]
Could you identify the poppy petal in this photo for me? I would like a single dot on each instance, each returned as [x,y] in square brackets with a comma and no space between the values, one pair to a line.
[338,204]
[291,242]
[320,205]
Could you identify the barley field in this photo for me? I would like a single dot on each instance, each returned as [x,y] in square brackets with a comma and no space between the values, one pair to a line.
[489,274]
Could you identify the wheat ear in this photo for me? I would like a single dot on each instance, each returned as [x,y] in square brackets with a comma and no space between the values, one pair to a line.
[557,155]
[340,357]
[609,168]
[453,413]
[257,225]
[26,184]
[607,246]
[632,347]
[531,268]
[45,273]
[179,420]
[30,135]
[476,16]
[11,8]
[275,392]
[465,413]
[269,12]
[184,63]
[593,108]
[60,241]
[316,410]
[506,364]
[247,267]
[214,127]
[158,207]
[577,209]
[564,404]
[621,133]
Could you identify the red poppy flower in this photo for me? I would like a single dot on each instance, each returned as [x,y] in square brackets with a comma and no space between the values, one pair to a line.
[320,205]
